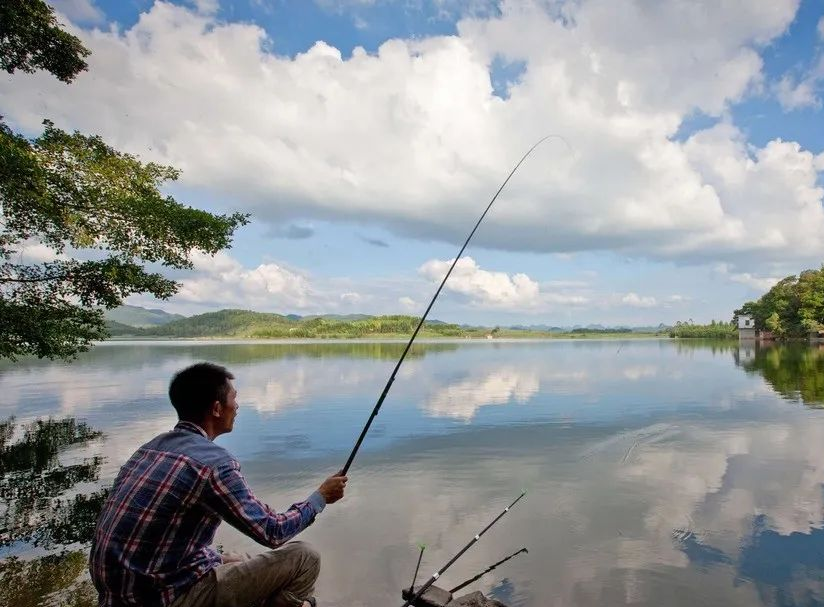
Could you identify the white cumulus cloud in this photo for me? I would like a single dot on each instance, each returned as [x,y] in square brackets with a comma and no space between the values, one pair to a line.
[793,95]
[225,281]
[413,138]
[408,304]
[482,286]
[758,282]
[207,6]
[639,301]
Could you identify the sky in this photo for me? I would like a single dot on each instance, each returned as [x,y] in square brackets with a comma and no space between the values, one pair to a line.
[684,175]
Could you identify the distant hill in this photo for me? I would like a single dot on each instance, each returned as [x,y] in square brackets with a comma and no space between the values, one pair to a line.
[135,316]
[547,328]
[343,317]
[262,325]
[223,323]
[116,329]
[248,324]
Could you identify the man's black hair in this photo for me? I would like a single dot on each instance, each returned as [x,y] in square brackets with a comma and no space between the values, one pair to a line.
[194,389]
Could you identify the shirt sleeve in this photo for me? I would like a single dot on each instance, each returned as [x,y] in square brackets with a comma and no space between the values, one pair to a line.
[232,499]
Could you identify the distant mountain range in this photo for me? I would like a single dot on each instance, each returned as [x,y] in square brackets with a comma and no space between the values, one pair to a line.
[598,328]
[248,324]
[135,316]
[141,322]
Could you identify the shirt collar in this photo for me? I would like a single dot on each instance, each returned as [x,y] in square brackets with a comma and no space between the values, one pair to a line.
[191,427]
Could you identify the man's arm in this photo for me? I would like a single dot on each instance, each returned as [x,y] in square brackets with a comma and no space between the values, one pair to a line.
[232,499]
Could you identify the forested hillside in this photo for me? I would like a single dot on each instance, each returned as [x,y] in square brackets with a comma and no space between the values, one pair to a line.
[248,324]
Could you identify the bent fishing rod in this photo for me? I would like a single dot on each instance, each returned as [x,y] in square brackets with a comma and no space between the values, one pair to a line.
[487,570]
[440,571]
[394,373]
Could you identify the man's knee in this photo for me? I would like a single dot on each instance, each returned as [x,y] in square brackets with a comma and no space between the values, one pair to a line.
[311,557]
[307,557]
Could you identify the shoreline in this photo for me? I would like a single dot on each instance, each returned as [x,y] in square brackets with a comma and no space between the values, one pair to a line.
[385,339]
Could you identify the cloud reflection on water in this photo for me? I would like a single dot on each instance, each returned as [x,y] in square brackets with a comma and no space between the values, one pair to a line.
[657,474]
[600,531]
[462,399]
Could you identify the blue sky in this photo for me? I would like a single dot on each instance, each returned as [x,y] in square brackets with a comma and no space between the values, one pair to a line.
[365,137]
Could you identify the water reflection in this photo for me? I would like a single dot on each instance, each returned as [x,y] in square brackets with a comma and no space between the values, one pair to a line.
[462,399]
[795,370]
[605,529]
[657,472]
[49,503]
[49,580]
[32,479]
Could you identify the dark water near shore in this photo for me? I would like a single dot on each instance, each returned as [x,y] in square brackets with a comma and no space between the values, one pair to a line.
[659,472]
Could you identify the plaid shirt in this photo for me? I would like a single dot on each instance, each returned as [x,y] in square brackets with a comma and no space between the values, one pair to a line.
[152,538]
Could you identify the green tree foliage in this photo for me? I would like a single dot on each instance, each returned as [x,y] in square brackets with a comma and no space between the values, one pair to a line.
[792,308]
[714,330]
[72,192]
[774,324]
[31,39]
[810,290]
[794,371]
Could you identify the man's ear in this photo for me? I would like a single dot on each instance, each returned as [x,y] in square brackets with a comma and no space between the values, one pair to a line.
[217,409]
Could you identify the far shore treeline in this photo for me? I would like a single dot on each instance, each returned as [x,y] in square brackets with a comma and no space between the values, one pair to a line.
[261,325]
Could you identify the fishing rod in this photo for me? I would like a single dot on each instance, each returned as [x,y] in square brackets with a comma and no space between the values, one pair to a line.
[382,397]
[487,570]
[417,567]
[440,572]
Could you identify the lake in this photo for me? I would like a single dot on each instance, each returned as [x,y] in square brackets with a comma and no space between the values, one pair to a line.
[659,472]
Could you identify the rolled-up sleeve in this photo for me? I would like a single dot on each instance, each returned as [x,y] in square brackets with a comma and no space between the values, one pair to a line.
[233,500]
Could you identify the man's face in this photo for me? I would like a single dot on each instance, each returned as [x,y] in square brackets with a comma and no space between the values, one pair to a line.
[230,408]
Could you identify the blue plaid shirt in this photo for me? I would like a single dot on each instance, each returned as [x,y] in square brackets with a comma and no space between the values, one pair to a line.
[153,536]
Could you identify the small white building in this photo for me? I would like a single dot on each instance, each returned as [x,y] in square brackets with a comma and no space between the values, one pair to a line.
[746,327]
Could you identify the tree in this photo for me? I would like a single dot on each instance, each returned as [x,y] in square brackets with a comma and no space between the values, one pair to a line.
[811,299]
[74,194]
[792,308]
[31,39]
[773,323]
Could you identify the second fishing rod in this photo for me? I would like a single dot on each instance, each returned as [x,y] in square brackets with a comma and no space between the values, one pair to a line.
[414,596]
[394,373]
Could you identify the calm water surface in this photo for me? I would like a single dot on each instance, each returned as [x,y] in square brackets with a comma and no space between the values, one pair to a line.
[659,472]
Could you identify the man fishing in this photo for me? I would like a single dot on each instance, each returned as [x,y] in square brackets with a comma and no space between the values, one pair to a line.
[152,542]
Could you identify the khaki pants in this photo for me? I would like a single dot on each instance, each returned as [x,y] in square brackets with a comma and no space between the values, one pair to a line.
[276,578]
